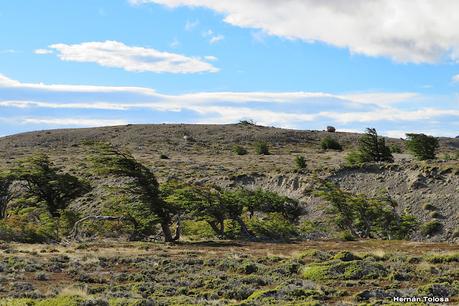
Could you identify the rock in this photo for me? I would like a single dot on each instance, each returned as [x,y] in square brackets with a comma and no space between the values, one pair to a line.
[331,129]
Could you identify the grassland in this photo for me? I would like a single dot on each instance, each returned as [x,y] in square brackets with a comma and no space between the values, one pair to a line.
[227,273]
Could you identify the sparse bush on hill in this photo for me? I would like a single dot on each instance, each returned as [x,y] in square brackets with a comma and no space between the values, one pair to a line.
[330,143]
[423,147]
[239,150]
[300,162]
[262,148]
[431,228]
[372,148]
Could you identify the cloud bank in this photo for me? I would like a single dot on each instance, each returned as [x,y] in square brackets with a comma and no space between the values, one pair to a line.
[418,31]
[83,105]
[115,54]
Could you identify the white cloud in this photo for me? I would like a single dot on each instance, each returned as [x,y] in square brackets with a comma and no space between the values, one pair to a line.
[73,121]
[191,25]
[285,109]
[419,31]
[215,39]
[138,59]
[43,51]
[455,78]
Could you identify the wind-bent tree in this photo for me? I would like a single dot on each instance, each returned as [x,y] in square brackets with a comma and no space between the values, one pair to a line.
[108,160]
[46,182]
[374,147]
[6,180]
[366,217]
[202,203]
[422,146]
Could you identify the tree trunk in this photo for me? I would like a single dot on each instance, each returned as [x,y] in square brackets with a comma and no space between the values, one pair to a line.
[219,231]
[244,229]
[178,229]
[167,232]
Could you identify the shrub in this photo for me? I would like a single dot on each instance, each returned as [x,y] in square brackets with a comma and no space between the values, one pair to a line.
[422,146]
[273,226]
[300,162]
[395,148]
[262,148]
[163,156]
[330,143]
[429,206]
[239,150]
[197,229]
[431,228]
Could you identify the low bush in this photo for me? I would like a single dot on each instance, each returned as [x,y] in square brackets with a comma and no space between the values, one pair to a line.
[239,150]
[431,228]
[262,148]
[300,162]
[272,226]
[330,143]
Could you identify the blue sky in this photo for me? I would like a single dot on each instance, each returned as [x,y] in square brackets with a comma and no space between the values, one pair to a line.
[302,64]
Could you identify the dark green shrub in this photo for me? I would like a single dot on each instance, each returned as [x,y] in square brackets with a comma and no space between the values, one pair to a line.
[429,206]
[262,148]
[300,162]
[239,150]
[330,143]
[431,228]
[422,146]
[273,226]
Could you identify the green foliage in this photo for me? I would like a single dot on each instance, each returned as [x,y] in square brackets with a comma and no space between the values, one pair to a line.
[216,206]
[330,143]
[272,226]
[372,148]
[29,225]
[344,270]
[429,206]
[262,148]
[431,228]
[365,217]
[300,162]
[6,180]
[443,258]
[355,158]
[423,147]
[45,182]
[239,150]
[196,230]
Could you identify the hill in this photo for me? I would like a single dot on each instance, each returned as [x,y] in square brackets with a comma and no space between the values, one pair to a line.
[203,154]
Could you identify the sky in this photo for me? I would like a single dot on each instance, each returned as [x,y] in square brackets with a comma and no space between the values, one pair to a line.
[303,64]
